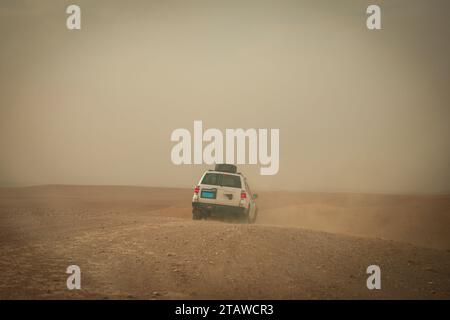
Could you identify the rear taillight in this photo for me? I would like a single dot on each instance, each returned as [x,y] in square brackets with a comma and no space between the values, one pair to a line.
[243,194]
[197,190]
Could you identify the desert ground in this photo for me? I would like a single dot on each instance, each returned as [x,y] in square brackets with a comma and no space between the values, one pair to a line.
[141,243]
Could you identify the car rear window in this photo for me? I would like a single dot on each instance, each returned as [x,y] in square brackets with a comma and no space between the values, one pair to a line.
[231,181]
[211,179]
[218,179]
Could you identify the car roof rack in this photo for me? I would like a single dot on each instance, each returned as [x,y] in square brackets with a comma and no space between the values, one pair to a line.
[239,173]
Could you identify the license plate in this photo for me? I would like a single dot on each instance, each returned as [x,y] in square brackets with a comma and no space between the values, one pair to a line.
[208,194]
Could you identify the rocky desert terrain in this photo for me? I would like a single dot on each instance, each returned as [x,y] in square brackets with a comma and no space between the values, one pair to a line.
[141,243]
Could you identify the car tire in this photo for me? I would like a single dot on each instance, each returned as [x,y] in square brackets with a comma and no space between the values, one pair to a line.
[248,218]
[196,214]
[255,216]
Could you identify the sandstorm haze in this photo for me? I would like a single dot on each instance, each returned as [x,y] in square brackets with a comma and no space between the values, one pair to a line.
[358,110]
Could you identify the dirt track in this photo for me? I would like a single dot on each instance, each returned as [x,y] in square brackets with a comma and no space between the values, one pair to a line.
[141,243]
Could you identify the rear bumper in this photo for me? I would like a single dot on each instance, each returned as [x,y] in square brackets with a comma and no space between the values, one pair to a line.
[216,208]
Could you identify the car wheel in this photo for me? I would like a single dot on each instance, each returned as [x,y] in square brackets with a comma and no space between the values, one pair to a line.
[247,218]
[196,214]
[254,216]
[250,218]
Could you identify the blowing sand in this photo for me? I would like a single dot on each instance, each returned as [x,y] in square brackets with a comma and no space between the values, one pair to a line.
[140,243]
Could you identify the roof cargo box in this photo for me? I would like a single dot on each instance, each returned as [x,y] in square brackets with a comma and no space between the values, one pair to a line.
[231,168]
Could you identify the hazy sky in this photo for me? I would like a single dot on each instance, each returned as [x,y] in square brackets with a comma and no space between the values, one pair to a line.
[358,110]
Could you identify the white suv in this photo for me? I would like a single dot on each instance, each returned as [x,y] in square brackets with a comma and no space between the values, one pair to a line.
[225,191]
